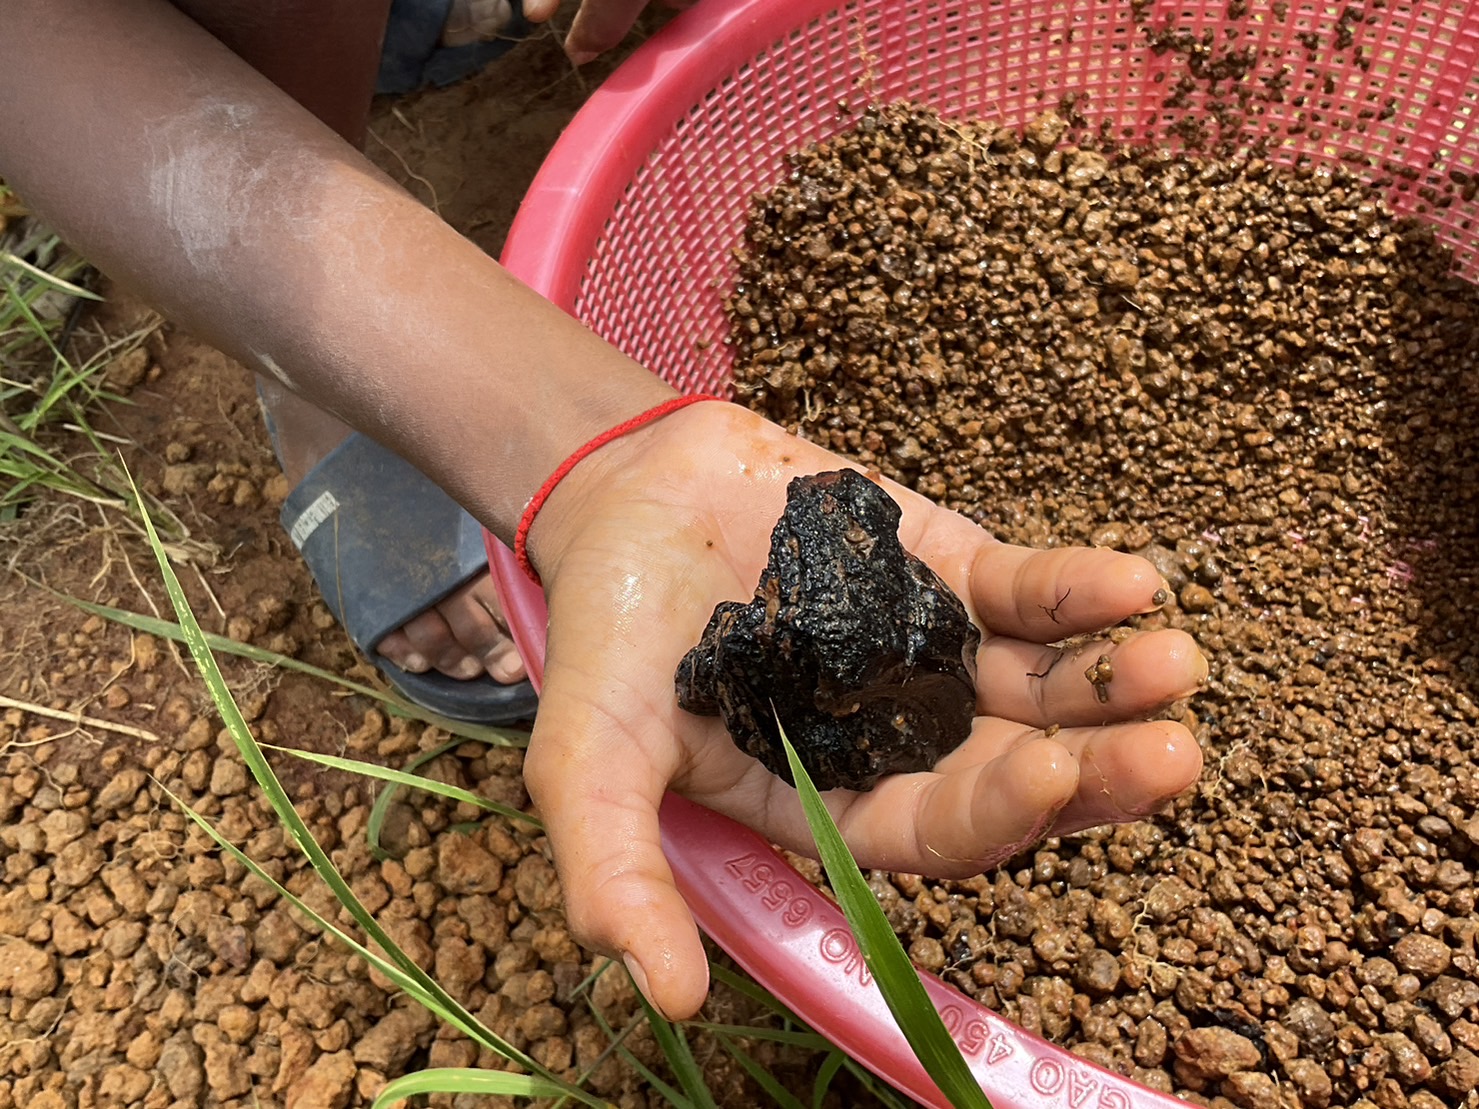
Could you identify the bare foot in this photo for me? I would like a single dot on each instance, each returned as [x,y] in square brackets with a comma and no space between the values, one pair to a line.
[464,635]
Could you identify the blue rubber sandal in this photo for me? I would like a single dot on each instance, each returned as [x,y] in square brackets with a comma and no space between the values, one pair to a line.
[413,55]
[384,543]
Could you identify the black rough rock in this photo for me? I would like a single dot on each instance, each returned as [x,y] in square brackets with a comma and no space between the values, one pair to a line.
[866,656]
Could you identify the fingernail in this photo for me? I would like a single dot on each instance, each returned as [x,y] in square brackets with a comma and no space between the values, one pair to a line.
[581,57]
[639,979]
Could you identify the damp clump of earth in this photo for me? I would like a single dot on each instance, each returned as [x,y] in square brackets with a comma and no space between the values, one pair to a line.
[851,644]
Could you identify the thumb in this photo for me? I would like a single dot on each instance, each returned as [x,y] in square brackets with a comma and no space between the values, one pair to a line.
[598,793]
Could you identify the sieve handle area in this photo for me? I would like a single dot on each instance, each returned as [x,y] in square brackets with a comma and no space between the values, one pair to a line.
[796,943]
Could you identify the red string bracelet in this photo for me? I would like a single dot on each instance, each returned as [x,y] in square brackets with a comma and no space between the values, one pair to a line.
[536,502]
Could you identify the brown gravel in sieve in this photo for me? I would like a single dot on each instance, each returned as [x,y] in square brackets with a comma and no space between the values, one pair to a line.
[1258,378]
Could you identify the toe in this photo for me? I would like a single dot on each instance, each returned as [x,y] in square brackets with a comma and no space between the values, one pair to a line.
[463,636]
[397,648]
[477,624]
[430,636]
[504,664]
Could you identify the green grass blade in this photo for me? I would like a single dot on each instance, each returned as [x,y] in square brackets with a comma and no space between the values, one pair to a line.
[825,1074]
[883,1094]
[673,1096]
[29,318]
[66,380]
[670,1094]
[753,990]
[414,781]
[153,625]
[456,1017]
[50,280]
[812,1041]
[380,810]
[675,1048]
[406,971]
[461,1080]
[391,970]
[613,1047]
[9,441]
[763,1078]
[897,979]
[28,463]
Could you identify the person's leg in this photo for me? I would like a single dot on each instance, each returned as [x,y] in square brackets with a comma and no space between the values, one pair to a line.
[326,54]
[322,53]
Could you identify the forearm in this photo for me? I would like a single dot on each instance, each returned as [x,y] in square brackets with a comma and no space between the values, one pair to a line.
[187,176]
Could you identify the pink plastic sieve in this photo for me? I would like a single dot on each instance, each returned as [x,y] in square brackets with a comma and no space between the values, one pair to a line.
[631,223]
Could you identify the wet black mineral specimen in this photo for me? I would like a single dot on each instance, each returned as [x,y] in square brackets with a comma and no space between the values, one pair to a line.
[864,654]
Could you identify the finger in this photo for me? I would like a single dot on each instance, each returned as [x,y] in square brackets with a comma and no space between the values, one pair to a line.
[1129,772]
[1003,791]
[945,824]
[599,26]
[1046,595]
[1124,771]
[965,821]
[599,797]
[1091,683]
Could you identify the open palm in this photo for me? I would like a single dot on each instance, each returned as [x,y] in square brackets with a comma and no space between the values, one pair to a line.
[639,548]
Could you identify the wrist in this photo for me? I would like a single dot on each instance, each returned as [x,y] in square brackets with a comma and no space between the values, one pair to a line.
[627,464]
[579,455]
